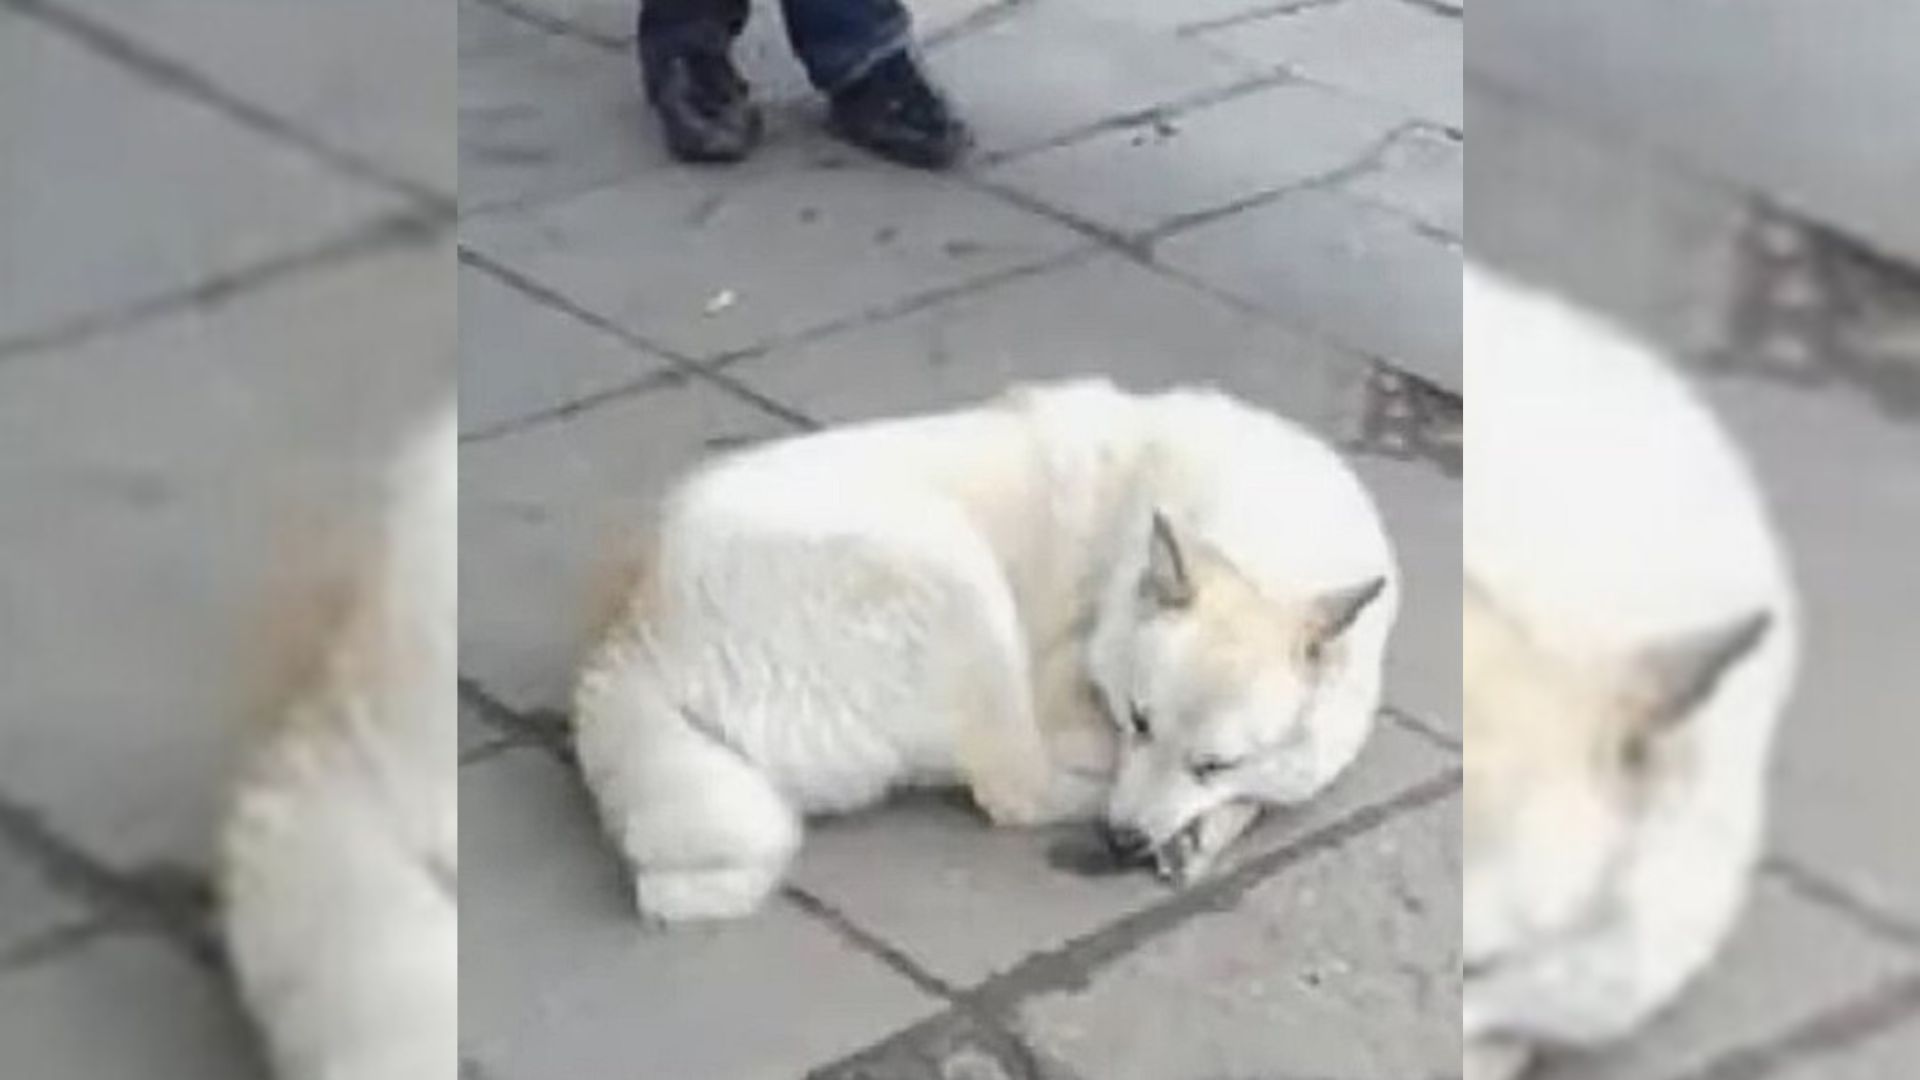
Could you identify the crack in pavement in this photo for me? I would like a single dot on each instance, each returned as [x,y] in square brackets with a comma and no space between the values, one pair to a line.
[400,229]
[1845,1025]
[170,900]
[558,26]
[1824,891]
[1441,8]
[1286,9]
[51,943]
[545,728]
[872,944]
[1161,113]
[984,17]
[1421,729]
[182,79]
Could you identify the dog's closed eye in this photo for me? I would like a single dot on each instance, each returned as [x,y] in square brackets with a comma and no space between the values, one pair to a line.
[1208,768]
[1142,724]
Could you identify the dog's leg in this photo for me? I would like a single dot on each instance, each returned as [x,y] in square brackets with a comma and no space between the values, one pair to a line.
[703,830]
[1002,754]
[1081,741]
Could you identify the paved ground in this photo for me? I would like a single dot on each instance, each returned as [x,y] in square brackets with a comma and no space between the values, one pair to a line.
[224,237]
[1169,192]
[1741,238]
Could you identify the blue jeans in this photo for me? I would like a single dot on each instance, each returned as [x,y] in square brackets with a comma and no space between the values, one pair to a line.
[837,41]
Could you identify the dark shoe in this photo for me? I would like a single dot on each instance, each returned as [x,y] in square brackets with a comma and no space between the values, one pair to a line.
[703,105]
[892,111]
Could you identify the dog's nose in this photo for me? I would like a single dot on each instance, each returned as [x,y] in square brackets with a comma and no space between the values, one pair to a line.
[1128,844]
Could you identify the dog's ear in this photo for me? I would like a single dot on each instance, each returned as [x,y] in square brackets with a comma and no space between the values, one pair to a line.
[1167,584]
[1674,678]
[1335,611]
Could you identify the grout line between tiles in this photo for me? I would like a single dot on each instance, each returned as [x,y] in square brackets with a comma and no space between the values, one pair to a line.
[186,81]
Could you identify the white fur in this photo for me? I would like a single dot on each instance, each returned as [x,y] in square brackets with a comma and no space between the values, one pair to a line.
[340,850]
[1604,504]
[910,602]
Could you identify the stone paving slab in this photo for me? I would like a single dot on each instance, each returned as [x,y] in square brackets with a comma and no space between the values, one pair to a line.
[1798,102]
[558,977]
[123,194]
[542,113]
[1882,1055]
[1657,251]
[228,426]
[1201,160]
[1154,332]
[1394,51]
[1789,960]
[1345,965]
[30,908]
[966,901]
[1422,514]
[1048,70]
[520,358]
[1842,775]
[1358,275]
[326,69]
[705,262]
[121,1009]
[1419,174]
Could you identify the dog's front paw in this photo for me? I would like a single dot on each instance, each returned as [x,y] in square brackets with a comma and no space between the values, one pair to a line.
[667,897]
[1014,805]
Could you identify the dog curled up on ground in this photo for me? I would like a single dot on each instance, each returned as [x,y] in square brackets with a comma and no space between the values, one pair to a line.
[1629,640]
[1160,612]
[339,853]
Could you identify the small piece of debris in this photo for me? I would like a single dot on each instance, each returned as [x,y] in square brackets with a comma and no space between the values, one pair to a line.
[721,301]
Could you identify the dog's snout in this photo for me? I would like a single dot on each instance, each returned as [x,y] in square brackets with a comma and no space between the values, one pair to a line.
[1126,843]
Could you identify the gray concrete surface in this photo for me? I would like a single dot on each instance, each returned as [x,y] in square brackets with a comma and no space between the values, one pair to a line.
[225,246]
[1157,199]
[1673,220]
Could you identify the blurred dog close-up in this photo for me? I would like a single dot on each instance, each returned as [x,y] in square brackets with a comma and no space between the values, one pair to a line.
[1629,639]
[339,855]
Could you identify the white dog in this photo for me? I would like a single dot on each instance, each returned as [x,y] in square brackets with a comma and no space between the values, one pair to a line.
[1630,639]
[1175,607]
[339,854]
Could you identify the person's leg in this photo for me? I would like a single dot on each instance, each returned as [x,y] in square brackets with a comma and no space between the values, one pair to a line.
[859,53]
[684,50]
[838,41]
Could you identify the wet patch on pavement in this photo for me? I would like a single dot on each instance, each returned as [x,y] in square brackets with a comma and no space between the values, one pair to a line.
[1817,310]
